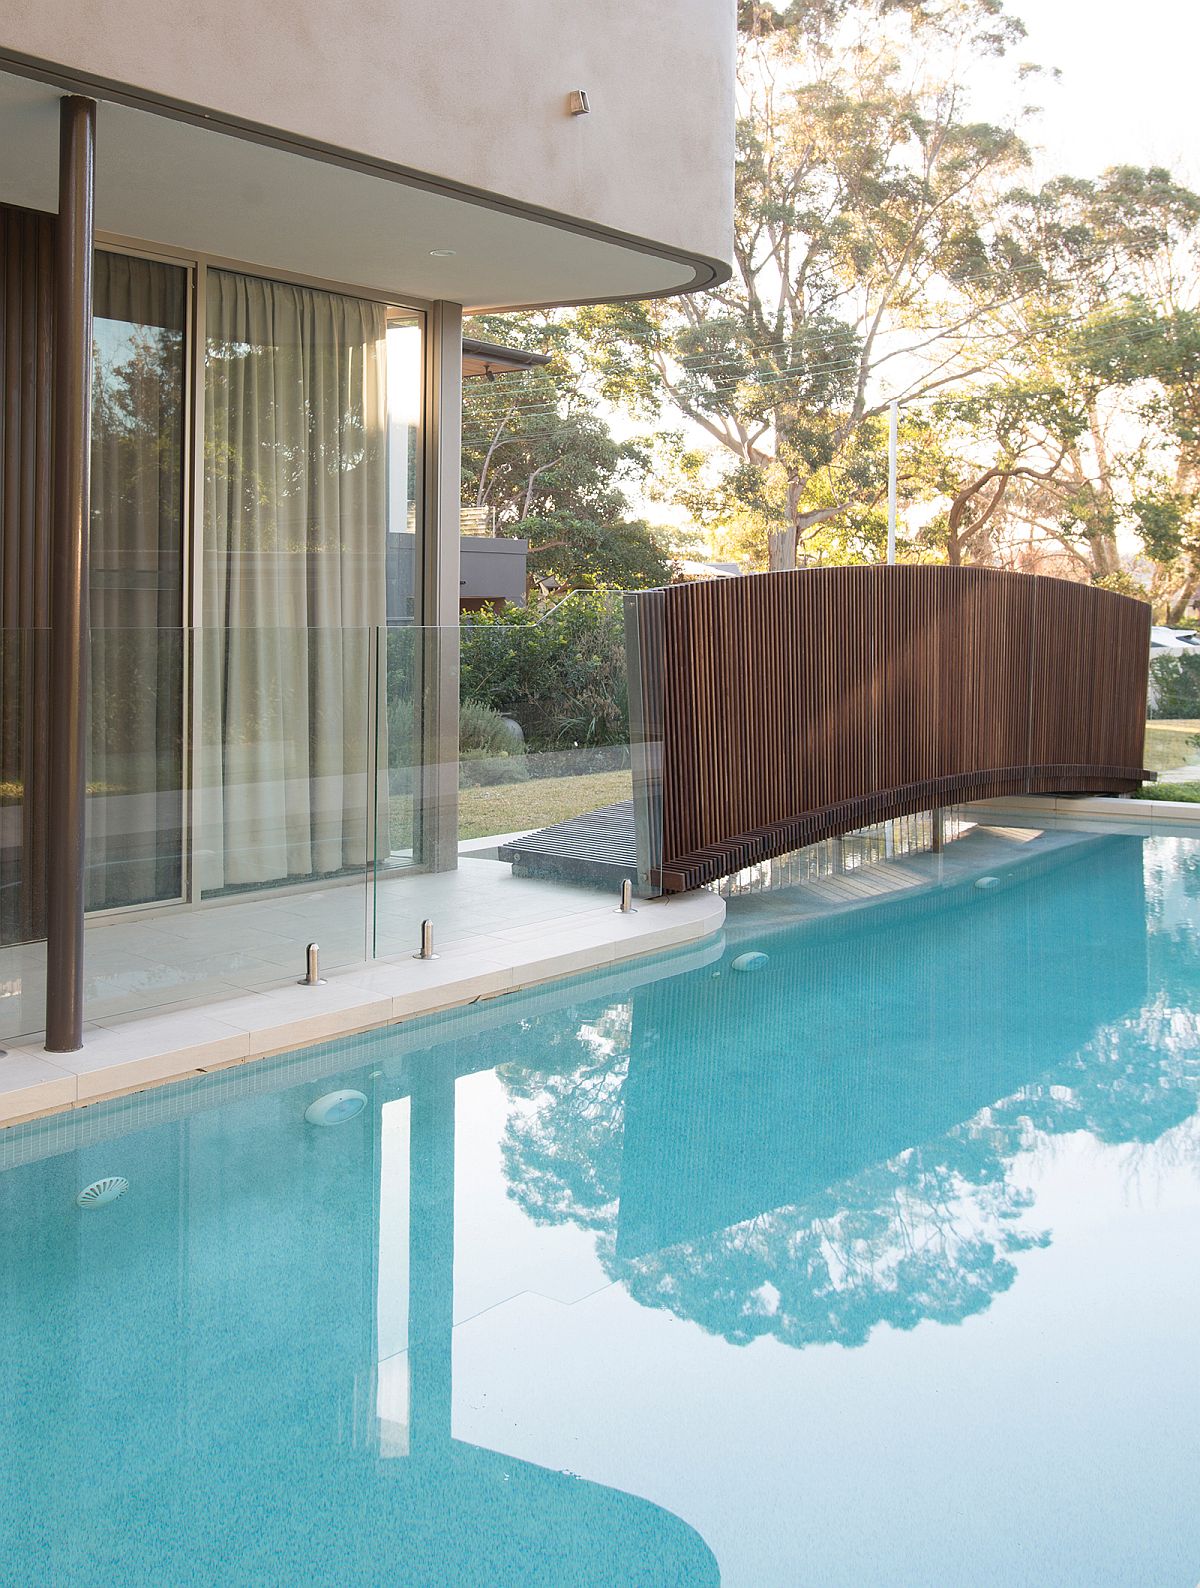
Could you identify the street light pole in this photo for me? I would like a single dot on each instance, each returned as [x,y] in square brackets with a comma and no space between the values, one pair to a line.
[893,435]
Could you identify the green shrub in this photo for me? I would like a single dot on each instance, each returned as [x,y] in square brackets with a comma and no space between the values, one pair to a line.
[483,731]
[559,671]
[1174,686]
[488,750]
[1188,792]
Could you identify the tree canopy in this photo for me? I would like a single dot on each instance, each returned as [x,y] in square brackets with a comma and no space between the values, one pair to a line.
[890,244]
[544,464]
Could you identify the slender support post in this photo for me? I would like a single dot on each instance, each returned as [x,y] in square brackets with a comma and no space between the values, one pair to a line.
[644,689]
[939,830]
[893,440]
[66,723]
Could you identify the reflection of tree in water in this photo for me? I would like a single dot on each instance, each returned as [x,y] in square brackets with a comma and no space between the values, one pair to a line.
[562,1145]
[1134,1082]
[907,1240]
[1172,872]
[928,1234]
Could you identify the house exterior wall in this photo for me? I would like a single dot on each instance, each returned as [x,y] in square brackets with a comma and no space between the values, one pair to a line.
[473,95]
[493,571]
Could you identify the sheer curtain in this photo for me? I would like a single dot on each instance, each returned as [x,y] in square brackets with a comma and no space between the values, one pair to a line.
[135,762]
[293,581]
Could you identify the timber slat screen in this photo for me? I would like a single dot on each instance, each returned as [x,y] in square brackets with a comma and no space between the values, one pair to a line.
[777,710]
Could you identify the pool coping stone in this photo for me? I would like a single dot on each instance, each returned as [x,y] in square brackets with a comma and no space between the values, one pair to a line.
[175,1042]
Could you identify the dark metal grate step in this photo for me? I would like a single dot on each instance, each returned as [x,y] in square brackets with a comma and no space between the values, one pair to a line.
[599,847]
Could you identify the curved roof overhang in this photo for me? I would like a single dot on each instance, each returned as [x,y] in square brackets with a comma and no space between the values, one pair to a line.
[179,177]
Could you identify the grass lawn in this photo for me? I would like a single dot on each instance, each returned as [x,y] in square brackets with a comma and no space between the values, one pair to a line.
[519,807]
[1172,743]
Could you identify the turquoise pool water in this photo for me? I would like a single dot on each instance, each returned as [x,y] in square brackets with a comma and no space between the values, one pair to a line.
[880,1265]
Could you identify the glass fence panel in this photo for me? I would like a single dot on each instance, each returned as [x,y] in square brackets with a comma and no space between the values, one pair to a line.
[24,687]
[135,768]
[546,801]
[252,791]
[231,810]
[1173,711]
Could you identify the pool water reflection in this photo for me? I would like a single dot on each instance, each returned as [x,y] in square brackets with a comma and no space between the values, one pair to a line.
[878,1266]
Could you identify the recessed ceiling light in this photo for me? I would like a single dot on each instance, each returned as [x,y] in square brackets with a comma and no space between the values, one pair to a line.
[441,253]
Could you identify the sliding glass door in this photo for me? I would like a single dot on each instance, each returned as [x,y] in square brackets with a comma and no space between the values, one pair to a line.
[240,734]
[257,665]
[307,456]
[135,809]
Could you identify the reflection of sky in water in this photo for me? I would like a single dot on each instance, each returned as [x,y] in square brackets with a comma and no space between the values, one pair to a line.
[1048,1438]
[878,1267]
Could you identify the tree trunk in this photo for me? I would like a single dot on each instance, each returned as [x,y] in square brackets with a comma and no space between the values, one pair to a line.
[782,544]
[1179,596]
[1177,609]
[953,549]
[1102,547]
[781,550]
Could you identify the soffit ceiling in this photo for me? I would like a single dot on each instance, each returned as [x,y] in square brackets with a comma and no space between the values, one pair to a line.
[170,182]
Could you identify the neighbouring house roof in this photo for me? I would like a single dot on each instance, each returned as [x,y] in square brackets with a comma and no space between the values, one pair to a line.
[693,568]
[489,359]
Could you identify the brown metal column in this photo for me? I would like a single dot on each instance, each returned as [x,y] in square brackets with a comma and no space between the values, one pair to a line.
[67,716]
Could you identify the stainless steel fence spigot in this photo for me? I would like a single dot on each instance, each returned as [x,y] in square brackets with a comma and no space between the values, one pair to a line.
[312,967]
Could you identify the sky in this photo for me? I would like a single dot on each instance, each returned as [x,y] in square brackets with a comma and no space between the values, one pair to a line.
[1127,94]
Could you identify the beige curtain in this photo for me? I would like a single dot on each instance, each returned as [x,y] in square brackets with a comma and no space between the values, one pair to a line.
[293,582]
[135,805]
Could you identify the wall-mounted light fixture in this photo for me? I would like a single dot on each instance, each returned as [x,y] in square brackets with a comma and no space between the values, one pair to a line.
[577,102]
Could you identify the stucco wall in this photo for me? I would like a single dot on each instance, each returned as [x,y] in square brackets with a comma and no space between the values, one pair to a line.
[473,92]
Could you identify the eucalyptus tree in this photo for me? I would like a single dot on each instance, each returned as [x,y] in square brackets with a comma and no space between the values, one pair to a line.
[541,458]
[1080,441]
[875,237]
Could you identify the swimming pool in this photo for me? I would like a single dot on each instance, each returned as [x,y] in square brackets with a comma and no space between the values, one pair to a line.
[879,1265]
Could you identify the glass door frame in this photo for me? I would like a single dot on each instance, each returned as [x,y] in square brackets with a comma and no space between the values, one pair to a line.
[196,266]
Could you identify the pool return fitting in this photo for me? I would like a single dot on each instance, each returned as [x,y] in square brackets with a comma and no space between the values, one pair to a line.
[312,967]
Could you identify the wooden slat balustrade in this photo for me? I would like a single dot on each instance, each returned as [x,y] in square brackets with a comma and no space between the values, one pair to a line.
[773,711]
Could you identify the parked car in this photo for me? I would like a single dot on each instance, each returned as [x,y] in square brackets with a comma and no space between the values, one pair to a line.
[1175,642]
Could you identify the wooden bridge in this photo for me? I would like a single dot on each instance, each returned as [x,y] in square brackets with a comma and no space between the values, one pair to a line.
[770,712]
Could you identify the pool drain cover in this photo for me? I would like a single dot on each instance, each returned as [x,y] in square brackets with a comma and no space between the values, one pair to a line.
[103,1191]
